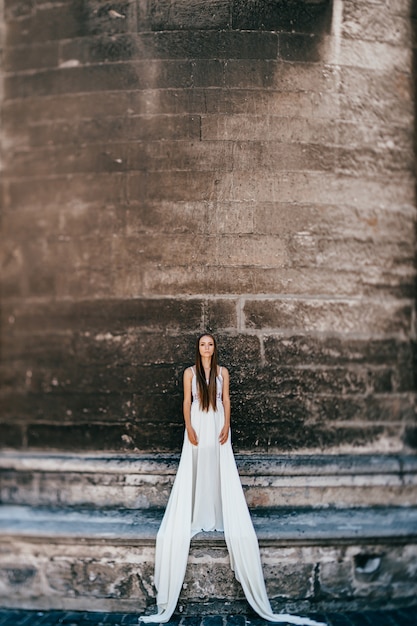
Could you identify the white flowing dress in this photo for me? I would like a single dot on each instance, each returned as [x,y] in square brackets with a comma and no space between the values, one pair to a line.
[207,495]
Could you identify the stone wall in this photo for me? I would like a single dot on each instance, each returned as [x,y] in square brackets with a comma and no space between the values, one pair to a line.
[240,166]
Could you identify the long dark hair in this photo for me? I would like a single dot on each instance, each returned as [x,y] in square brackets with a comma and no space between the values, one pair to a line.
[206,392]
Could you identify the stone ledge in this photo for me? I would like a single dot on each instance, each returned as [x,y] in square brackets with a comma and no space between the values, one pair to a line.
[313,559]
[273,526]
[144,481]
[273,465]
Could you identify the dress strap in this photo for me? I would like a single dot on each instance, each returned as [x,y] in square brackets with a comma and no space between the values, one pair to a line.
[221,367]
[192,369]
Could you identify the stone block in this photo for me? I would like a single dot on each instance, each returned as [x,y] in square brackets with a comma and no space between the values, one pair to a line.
[299,103]
[268,155]
[119,315]
[409,436]
[182,186]
[90,78]
[304,187]
[117,437]
[41,349]
[185,15]
[348,316]
[348,577]
[208,574]
[162,249]
[100,49]
[44,24]
[194,155]
[390,86]
[77,437]
[287,579]
[66,159]
[322,221]
[230,218]
[378,23]
[70,106]
[11,434]
[137,348]
[21,58]
[100,578]
[171,100]
[208,73]
[300,47]
[109,130]
[97,18]
[252,250]
[269,15]
[180,44]
[285,424]
[248,45]
[180,280]
[14,11]
[278,76]
[289,381]
[265,128]
[56,191]
[364,54]
[305,350]
[336,579]
[264,280]
[19,580]
[167,217]
[231,348]
[288,439]
[104,577]
[220,314]
[388,109]
[68,377]
[341,254]
[279,102]
[373,161]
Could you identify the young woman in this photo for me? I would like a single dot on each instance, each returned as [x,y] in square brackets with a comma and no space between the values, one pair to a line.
[207,494]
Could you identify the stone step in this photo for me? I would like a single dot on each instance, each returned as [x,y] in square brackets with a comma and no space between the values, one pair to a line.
[144,481]
[313,559]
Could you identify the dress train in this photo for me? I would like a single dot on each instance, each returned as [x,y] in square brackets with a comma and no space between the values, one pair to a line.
[174,537]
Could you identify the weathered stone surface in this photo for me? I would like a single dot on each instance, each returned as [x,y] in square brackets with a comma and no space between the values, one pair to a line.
[325,315]
[92,316]
[378,23]
[238,166]
[137,128]
[269,15]
[11,434]
[144,481]
[112,566]
[181,14]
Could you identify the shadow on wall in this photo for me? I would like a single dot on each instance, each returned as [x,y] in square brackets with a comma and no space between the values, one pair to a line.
[309,20]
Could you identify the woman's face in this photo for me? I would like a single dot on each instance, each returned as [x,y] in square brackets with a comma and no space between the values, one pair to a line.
[206,346]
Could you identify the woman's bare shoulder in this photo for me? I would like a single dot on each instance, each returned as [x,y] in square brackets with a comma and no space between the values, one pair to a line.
[223,370]
[188,373]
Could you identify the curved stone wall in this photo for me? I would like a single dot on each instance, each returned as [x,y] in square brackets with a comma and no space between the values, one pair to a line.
[242,167]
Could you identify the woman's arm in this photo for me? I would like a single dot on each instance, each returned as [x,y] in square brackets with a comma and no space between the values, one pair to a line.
[224,433]
[187,380]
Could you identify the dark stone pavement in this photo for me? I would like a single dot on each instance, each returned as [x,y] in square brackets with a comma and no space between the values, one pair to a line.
[8,617]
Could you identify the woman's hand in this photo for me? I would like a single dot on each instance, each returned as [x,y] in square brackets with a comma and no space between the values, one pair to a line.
[192,436]
[224,434]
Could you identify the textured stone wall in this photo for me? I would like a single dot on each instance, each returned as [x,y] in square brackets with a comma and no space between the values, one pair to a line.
[116,575]
[244,167]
